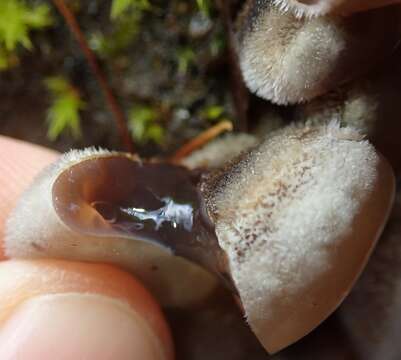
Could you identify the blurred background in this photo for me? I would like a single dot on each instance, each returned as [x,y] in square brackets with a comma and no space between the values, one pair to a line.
[166,62]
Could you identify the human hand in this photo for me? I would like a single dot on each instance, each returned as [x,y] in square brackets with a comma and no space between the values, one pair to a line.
[53,309]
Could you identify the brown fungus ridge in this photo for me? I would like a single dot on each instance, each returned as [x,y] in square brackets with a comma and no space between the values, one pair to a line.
[288,60]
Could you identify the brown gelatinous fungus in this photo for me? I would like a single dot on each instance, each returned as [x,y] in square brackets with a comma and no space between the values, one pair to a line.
[288,225]
[311,8]
[289,60]
[111,207]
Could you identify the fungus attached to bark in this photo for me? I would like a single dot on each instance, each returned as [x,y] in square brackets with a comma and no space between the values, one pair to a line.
[94,205]
[287,226]
[289,60]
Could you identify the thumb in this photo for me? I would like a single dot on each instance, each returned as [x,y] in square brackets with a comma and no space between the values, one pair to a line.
[53,309]
[69,310]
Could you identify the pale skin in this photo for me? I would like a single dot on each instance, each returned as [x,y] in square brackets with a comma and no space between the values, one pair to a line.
[69,310]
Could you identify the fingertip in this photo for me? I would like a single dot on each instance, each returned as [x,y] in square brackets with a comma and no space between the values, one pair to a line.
[78,326]
[95,308]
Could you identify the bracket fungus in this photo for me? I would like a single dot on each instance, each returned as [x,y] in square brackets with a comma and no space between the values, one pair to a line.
[289,60]
[287,226]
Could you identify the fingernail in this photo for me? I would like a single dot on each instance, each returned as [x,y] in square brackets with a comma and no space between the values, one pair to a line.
[78,326]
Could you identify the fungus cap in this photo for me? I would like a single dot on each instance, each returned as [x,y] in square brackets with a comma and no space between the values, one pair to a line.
[288,60]
[298,219]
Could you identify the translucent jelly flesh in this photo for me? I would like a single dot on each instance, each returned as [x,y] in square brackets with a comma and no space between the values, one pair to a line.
[155,202]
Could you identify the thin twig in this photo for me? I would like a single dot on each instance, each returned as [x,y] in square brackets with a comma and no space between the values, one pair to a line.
[201,140]
[100,77]
[238,89]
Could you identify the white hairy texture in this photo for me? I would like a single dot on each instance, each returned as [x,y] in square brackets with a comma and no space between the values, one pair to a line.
[372,312]
[216,153]
[282,217]
[284,59]
[313,8]
[34,229]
